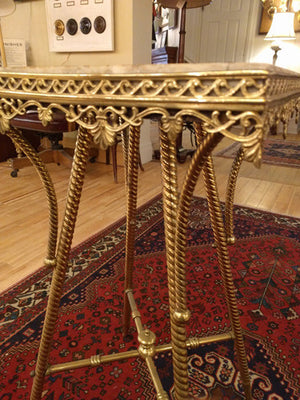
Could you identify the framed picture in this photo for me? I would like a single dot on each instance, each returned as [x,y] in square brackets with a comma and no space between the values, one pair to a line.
[86,27]
[156,17]
[164,17]
[173,17]
[266,21]
[169,18]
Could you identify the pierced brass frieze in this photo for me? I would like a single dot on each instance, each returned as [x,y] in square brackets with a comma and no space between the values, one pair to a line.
[108,102]
[180,86]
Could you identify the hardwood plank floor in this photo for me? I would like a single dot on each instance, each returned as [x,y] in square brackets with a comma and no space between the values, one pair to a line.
[24,213]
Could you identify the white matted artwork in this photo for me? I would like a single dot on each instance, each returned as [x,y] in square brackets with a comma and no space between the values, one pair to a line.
[80,25]
[15,52]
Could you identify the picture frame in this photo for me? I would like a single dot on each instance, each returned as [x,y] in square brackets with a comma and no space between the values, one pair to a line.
[86,28]
[266,21]
[157,17]
[173,18]
[164,17]
[169,17]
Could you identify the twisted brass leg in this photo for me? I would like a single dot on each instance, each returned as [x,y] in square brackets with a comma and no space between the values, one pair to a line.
[125,148]
[231,185]
[131,191]
[74,191]
[32,155]
[178,316]
[222,251]
[204,148]
[225,268]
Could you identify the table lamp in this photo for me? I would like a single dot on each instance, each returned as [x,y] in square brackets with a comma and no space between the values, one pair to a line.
[6,7]
[282,28]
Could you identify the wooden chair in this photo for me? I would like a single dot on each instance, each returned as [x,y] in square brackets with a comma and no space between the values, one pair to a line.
[30,123]
[113,150]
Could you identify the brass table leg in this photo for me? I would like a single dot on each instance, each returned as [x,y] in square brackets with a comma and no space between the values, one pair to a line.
[221,242]
[74,192]
[146,338]
[204,148]
[179,314]
[125,148]
[170,199]
[225,268]
[131,171]
[33,156]
[223,256]
[231,185]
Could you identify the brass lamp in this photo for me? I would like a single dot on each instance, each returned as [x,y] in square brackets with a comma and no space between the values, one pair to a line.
[282,28]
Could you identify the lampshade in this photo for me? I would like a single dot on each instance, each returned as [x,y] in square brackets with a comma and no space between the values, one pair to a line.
[296,5]
[282,27]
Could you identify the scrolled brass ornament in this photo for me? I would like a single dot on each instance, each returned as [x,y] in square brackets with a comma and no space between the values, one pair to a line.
[4,124]
[8,109]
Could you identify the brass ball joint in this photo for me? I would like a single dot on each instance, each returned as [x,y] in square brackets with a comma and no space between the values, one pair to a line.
[147,340]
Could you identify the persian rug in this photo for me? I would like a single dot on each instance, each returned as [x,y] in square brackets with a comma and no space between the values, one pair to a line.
[265,264]
[277,152]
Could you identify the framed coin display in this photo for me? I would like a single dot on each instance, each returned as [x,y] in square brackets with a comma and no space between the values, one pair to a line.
[80,25]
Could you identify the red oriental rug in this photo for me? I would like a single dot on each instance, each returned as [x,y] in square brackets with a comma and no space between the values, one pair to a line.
[277,152]
[265,262]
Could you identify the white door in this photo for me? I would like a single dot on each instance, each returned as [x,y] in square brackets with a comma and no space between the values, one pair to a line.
[219,32]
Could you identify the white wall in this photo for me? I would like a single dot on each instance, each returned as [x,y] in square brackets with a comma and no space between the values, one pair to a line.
[29,22]
[257,50]
[132,22]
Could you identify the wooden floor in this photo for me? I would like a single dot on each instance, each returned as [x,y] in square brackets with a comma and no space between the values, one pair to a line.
[23,209]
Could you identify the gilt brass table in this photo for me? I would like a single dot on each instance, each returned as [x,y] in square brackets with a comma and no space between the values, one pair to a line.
[105,101]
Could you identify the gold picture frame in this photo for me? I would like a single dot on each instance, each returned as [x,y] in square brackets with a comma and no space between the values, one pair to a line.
[266,21]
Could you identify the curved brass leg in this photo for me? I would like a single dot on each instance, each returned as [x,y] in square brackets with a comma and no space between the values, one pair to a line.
[194,170]
[231,185]
[29,151]
[225,268]
[179,314]
[224,262]
[74,191]
[131,190]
